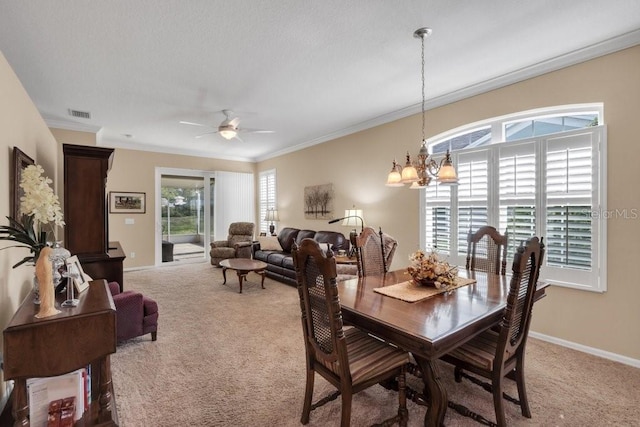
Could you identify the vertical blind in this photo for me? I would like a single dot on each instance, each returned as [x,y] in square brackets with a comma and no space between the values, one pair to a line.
[234,201]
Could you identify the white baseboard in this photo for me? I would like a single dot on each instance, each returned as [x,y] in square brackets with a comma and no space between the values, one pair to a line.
[586,349]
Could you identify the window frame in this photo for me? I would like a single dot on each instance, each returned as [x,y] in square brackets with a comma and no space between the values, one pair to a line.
[595,279]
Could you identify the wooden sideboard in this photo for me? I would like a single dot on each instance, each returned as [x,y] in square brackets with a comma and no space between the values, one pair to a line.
[55,345]
[108,267]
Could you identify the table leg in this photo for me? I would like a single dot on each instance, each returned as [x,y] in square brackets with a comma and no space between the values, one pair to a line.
[262,273]
[20,410]
[241,276]
[434,391]
[105,387]
[224,275]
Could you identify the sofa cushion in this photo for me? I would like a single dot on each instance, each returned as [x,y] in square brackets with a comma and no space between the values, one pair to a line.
[269,243]
[287,263]
[335,239]
[303,234]
[277,258]
[286,237]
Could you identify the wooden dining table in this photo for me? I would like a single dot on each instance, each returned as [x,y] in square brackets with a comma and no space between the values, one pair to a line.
[428,328]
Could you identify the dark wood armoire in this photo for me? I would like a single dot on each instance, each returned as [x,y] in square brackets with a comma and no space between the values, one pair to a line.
[86,230]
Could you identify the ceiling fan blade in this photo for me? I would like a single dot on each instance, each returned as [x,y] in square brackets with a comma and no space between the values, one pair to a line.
[238,138]
[193,124]
[247,130]
[207,133]
[234,122]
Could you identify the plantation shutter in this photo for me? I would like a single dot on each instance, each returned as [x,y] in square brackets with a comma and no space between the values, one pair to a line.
[473,193]
[438,216]
[267,184]
[517,193]
[569,187]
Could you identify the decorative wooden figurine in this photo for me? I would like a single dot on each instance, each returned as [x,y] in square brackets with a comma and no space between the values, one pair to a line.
[44,273]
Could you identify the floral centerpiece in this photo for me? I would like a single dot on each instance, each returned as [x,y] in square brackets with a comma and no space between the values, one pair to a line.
[40,214]
[427,269]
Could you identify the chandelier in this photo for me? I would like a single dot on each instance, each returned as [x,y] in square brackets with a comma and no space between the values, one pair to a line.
[419,173]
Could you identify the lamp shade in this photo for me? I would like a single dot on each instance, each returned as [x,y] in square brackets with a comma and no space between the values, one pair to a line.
[447,173]
[271,215]
[351,217]
[228,133]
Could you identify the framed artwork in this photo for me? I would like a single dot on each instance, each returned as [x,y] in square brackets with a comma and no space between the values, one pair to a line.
[20,163]
[80,278]
[318,202]
[124,202]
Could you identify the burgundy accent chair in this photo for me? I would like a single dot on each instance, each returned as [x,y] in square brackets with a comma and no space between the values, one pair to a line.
[136,314]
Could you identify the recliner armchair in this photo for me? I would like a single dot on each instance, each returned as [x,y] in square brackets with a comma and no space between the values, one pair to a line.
[238,244]
[136,314]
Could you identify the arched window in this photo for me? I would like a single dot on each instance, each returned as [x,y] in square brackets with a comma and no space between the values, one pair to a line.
[539,172]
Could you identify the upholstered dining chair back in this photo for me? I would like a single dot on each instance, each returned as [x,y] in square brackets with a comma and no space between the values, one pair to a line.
[499,352]
[487,250]
[374,252]
[331,351]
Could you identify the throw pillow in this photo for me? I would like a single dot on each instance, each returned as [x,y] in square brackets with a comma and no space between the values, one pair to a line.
[269,243]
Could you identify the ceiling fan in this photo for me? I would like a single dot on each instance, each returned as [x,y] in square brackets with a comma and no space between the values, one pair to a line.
[228,129]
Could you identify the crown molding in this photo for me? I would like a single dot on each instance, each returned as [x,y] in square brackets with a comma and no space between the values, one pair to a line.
[68,125]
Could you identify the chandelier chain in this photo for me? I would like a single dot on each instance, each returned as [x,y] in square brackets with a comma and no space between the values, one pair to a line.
[423,96]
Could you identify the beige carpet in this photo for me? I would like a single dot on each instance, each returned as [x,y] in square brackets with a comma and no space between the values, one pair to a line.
[229,359]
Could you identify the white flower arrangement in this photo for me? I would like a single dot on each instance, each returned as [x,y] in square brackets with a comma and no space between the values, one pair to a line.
[429,270]
[38,200]
[39,207]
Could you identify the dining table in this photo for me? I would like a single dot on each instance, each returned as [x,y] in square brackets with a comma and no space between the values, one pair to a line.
[430,327]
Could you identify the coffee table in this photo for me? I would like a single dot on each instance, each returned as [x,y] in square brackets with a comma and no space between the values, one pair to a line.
[243,266]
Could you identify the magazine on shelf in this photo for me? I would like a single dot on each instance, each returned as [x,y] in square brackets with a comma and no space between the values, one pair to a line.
[41,391]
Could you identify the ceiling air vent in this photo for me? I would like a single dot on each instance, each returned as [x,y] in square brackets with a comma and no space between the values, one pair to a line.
[80,114]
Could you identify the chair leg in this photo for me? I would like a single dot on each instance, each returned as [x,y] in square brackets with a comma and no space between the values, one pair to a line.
[457,374]
[402,397]
[522,390]
[308,395]
[497,400]
[346,407]
[154,335]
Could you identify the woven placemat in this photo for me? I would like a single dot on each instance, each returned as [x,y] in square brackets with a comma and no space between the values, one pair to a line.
[410,292]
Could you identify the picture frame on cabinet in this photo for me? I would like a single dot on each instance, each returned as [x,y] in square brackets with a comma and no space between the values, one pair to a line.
[127,202]
[80,278]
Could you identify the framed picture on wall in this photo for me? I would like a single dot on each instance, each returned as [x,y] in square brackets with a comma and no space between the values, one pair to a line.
[125,202]
[20,163]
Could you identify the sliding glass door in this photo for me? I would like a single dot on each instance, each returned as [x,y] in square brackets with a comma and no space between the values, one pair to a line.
[194,208]
[184,213]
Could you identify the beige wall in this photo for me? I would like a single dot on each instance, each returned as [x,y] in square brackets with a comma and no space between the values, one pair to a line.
[20,126]
[357,166]
[134,170]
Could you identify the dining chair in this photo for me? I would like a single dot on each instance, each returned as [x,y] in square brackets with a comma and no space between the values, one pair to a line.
[349,359]
[496,354]
[374,252]
[487,250]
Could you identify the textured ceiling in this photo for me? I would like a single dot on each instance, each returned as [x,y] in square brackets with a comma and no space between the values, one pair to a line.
[309,71]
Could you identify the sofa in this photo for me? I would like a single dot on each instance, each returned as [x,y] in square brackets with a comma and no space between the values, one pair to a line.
[276,251]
